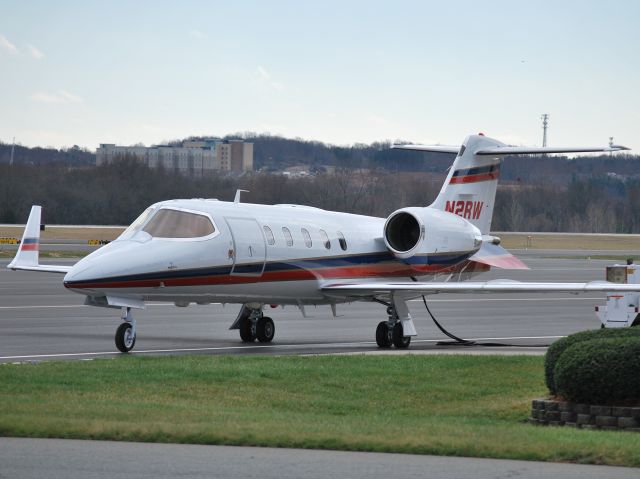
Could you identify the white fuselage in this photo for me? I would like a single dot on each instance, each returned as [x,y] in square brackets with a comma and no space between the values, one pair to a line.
[250,258]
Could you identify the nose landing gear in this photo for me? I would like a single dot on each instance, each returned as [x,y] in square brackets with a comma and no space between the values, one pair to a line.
[126,332]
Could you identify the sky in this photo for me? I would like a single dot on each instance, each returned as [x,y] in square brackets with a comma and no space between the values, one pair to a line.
[342,72]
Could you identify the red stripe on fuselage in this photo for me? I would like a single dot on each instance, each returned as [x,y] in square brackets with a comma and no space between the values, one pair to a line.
[371,271]
[30,247]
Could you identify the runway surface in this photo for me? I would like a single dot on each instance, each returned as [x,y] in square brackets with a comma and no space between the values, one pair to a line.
[68,459]
[40,320]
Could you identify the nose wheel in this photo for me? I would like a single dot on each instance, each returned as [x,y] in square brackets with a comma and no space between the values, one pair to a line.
[126,333]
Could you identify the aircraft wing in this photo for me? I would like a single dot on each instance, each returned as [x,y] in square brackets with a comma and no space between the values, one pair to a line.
[45,268]
[27,257]
[495,286]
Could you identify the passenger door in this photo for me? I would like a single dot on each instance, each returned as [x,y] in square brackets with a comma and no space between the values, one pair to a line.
[249,247]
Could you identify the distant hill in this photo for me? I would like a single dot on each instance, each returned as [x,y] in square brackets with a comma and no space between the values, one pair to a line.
[274,153]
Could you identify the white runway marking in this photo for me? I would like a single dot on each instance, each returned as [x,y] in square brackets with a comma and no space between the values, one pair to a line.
[56,306]
[478,300]
[257,346]
[564,269]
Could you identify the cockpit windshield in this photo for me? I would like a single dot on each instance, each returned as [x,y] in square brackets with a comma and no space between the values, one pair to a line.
[136,225]
[170,223]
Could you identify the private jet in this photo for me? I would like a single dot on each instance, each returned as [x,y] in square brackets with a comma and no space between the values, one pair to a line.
[203,251]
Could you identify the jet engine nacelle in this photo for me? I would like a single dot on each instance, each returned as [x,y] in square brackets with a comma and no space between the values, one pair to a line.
[423,231]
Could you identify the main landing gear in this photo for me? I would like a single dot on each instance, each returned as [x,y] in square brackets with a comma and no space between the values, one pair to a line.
[398,329]
[253,324]
[126,332]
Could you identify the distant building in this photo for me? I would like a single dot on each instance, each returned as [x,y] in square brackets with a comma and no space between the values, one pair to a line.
[194,158]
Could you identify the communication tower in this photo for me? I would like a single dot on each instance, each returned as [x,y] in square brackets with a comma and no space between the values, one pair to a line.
[545,122]
[13,146]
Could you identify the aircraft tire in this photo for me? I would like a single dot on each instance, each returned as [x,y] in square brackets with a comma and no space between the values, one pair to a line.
[246,334]
[400,341]
[382,335]
[265,329]
[124,342]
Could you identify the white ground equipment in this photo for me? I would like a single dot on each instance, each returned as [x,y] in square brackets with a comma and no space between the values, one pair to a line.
[621,310]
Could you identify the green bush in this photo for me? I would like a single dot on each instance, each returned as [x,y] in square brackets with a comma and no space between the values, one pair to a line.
[556,349]
[600,371]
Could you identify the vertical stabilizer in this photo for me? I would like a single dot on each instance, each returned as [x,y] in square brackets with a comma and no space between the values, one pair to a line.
[470,188]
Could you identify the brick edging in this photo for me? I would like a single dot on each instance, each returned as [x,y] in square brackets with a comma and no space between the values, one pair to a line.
[586,416]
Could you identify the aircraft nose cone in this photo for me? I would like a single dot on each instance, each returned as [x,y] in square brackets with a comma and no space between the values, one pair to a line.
[82,272]
[98,265]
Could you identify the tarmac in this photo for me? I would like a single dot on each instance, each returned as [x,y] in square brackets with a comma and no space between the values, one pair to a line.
[71,459]
[41,321]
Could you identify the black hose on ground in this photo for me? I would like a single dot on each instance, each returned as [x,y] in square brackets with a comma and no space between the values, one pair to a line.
[465,342]
[456,340]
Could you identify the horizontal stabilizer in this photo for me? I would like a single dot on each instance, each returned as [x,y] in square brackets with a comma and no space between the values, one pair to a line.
[526,150]
[498,257]
[431,148]
[514,150]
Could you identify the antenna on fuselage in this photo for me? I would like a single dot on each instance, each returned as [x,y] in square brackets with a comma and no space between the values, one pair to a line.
[238,192]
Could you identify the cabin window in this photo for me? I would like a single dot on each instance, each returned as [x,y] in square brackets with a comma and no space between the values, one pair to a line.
[307,238]
[170,223]
[325,239]
[287,236]
[342,241]
[269,234]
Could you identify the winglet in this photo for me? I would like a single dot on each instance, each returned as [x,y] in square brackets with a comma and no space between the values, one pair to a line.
[27,257]
[28,252]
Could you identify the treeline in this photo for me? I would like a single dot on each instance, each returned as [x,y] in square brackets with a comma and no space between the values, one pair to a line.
[275,154]
[115,194]
[22,155]
[595,205]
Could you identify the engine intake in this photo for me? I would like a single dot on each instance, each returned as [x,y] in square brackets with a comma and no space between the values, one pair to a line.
[427,231]
[403,232]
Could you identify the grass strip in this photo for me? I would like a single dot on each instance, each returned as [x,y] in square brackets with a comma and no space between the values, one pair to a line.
[53,232]
[569,241]
[609,257]
[445,405]
[6,253]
